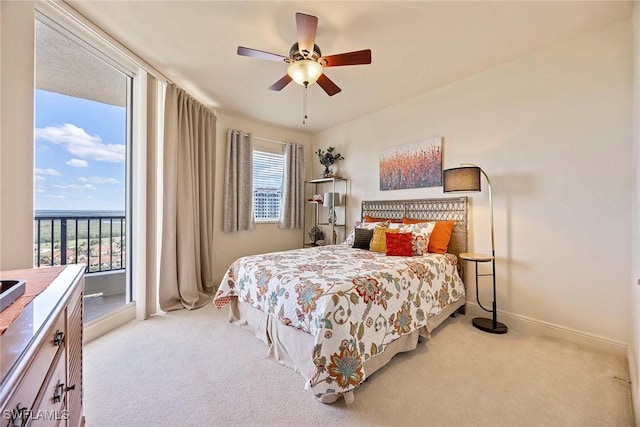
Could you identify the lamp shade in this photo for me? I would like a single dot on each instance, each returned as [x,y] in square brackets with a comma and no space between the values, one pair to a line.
[461,179]
[304,71]
[329,197]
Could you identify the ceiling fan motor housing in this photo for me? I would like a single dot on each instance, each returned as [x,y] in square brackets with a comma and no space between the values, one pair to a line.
[296,54]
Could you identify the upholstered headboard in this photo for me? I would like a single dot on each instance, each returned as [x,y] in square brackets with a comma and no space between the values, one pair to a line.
[445,209]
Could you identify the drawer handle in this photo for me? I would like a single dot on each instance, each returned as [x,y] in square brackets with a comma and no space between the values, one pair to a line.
[57,393]
[58,339]
[71,387]
[19,416]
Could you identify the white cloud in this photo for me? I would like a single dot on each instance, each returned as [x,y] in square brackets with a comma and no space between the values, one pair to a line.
[55,196]
[80,144]
[49,171]
[40,178]
[75,187]
[77,163]
[99,180]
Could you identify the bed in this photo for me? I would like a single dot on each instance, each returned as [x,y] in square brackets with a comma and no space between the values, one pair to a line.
[336,314]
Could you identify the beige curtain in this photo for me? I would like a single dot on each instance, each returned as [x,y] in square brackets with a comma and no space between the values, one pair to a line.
[238,182]
[292,208]
[186,271]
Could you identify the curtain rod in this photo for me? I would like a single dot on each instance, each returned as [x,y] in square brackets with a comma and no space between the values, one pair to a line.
[269,140]
[262,139]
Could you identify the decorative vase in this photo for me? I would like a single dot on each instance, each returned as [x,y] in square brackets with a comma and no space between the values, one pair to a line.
[333,170]
[332,216]
[326,172]
[316,235]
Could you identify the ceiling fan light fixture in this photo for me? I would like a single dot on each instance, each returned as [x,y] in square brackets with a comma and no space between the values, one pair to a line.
[306,63]
[305,71]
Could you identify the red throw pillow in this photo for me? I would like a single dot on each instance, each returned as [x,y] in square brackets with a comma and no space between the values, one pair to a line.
[399,244]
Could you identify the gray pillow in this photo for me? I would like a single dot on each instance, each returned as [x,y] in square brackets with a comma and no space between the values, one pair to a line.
[362,238]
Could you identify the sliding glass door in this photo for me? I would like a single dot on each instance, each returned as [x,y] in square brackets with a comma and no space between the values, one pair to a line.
[82,145]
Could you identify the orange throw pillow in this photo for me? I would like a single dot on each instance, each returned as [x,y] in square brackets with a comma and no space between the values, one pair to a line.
[440,236]
[406,220]
[368,218]
[399,244]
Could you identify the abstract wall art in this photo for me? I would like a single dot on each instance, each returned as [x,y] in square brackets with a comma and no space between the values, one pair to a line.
[414,165]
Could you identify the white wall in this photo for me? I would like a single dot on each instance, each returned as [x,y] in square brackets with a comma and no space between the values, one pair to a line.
[553,131]
[16,134]
[265,237]
[634,345]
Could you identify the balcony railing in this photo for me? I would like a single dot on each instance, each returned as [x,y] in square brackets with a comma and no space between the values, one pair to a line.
[93,239]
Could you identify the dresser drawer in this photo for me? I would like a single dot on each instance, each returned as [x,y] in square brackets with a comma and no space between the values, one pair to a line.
[18,410]
[56,340]
[48,411]
[27,390]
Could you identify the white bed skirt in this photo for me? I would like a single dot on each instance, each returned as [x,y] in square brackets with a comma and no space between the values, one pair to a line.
[293,347]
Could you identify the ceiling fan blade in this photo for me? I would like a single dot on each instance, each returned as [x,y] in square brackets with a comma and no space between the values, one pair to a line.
[254,53]
[307,26]
[350,58]
[327,85]
[281,83]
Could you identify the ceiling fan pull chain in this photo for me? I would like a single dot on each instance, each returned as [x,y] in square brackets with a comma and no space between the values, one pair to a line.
[304,104]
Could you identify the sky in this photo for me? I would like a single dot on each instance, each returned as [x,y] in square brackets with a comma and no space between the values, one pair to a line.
[79,154]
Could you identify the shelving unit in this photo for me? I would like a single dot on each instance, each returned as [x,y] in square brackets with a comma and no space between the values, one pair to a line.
[316,214]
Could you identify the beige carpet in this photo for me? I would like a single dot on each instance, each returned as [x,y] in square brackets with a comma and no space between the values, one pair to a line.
[194,369]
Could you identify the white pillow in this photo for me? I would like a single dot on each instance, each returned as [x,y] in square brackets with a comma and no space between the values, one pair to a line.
[420,233]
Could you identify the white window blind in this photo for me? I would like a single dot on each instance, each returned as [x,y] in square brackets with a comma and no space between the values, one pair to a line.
[268,169]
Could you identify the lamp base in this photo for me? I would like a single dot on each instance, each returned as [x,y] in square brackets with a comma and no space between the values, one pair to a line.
[487,326]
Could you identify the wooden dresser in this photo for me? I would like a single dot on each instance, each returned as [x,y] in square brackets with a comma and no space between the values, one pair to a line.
[41,357]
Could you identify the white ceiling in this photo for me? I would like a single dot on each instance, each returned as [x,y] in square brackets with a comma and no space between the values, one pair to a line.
[416,46]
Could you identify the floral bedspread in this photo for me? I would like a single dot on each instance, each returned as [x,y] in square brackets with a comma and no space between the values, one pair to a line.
[354,302]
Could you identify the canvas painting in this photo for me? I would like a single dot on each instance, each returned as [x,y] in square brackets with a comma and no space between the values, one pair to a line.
[413,165]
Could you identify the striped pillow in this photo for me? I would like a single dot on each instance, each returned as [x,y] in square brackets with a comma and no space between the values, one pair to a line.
[362,238]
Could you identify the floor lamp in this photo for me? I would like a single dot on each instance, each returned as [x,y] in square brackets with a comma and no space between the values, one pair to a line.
[467,179]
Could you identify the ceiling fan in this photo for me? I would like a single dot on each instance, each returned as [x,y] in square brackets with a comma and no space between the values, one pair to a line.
[306,63]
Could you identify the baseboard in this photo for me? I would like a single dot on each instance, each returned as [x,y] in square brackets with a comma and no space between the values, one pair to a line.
[541,328]
[633,378]
[109,322]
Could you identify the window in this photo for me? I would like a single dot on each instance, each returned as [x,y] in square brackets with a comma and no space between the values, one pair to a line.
[83,122]
[268,170]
